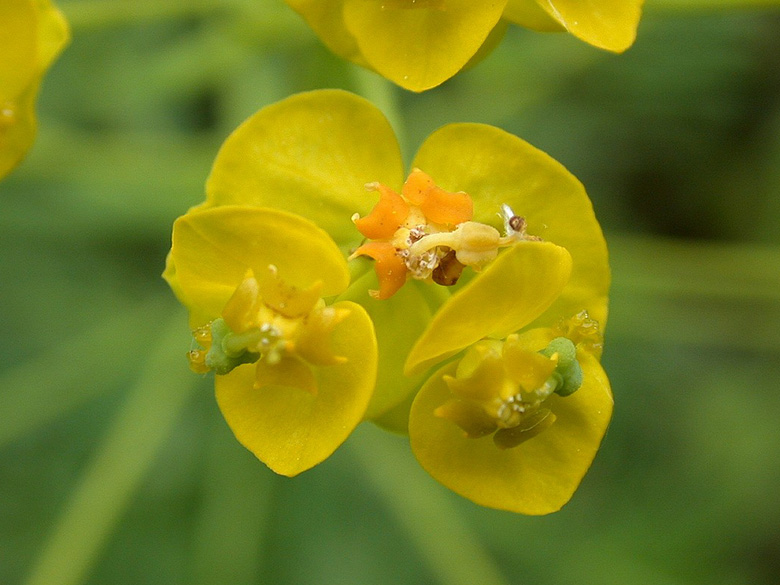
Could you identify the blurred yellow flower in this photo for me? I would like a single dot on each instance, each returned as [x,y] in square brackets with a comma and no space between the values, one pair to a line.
[455,269]
[32,34]
[419,44]
[294,375]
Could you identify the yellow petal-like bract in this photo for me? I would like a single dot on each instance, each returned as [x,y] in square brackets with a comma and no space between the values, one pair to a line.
[536,477]
[513,291]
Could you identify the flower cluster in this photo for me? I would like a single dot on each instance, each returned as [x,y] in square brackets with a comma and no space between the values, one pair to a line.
[32,33]
[467,298]
[426,233]
[419,44]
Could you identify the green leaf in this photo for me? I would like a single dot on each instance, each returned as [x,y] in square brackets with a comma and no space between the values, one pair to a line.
[432,522]
[117,468]
[52,384]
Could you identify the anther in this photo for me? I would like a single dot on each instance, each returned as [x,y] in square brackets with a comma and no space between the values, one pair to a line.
[517,223]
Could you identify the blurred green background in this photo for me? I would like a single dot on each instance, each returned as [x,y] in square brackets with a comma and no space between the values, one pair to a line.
[115,464]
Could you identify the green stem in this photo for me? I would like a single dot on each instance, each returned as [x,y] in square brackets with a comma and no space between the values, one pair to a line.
[117,468]
[383,94]
[426,512]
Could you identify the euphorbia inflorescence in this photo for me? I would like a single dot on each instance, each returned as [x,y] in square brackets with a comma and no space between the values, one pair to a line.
[480,327]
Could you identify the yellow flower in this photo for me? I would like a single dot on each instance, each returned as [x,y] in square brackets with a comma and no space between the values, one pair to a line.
[419,44]
[294,374]
[32,34]
[515,424]
[487,251]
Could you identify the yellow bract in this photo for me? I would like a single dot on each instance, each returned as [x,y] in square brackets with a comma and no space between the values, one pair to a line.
[292,429]
[498,168]
[607,24]
[294,374]
[538,453]
[32,33]
[306,155]
[213,248]
[419,44]
[514,290]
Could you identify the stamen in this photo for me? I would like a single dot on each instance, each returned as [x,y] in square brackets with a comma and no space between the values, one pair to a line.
[197,359]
